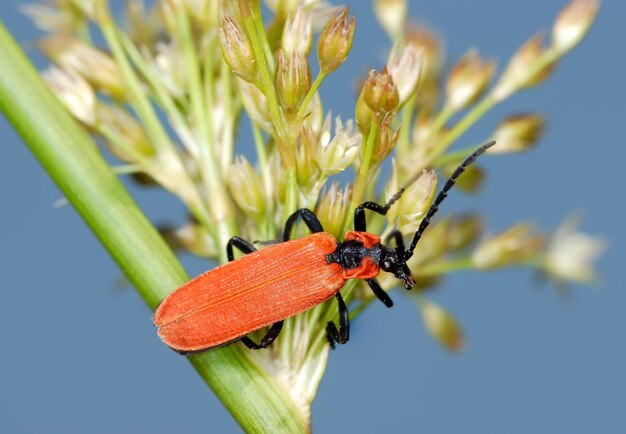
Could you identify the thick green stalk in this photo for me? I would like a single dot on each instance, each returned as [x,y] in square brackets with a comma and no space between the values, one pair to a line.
[69,155]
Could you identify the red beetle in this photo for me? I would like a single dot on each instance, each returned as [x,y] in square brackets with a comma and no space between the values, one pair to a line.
[267,286]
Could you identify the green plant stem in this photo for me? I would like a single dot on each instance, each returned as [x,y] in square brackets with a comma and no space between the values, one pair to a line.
[363,174]
[257,17]
[266,175]
[478,111]
[256,400]
[404,138]
[310,94]
[291,193]
[266,80]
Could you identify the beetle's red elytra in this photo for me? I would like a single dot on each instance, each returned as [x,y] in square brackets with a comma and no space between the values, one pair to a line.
[267,286]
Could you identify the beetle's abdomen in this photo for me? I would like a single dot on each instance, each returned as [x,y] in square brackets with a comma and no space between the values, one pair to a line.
[252,292]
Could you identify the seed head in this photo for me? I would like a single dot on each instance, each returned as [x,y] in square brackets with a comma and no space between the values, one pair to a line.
[379,92]
[193,237]
[513,246]
[386,139]
[432,48]
[237,50]
[405,67]
[415,201]
[256,105]
[468,79]
[518,133]
[246,187]
[332,207]
[391,15]
[293,79]
[74,92]
[335,41]
[298,33]
[572,23]
[441,325]
[308,171]
[363,114]
[472,178]
[570,254]
[334,155]
[95,66]
[126,127]
[463,231]
[525,69]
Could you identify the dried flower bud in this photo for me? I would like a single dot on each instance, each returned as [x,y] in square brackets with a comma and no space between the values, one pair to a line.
[308,172]
[415,200]
[524,69]
[570,254]
[429,95]
[441,325]
[468,79]
[405,66]
[293,79]
[192,237]
[335,41]
[246,187]
[432,48]
[314,119]
[572,23]
[472,178]
[94,65]
[287,6]
[298,33]
[518,133]
[363,114]
[49,18]
[255,104]
[169,64]
[332,208]
[74,92]
[237,50]
[333,156]
[463,231]
[379,92]
[87,8]
[120,123]
[205,13]
[391,15]
[386,140]
[143,25]
[513,246]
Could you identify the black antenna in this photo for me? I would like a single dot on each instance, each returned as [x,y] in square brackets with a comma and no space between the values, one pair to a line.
[441,196]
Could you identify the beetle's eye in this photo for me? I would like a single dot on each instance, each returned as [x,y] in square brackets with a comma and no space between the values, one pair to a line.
[386,264]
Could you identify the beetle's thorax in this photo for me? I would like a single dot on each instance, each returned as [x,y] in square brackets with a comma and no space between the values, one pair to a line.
[361,255]
[358,255]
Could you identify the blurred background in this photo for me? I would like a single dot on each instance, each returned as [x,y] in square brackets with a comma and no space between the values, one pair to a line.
[80,353]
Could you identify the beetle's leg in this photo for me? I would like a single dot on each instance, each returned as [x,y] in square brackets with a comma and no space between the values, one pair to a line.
[241,244]
[342,335]
[379,292]
[275,329]
[397,237]
[309,218]
[359,212]
[266,340]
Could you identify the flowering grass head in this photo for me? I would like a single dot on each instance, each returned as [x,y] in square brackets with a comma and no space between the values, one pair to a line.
[167,95]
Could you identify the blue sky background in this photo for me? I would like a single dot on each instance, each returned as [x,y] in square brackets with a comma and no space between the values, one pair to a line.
[80,353]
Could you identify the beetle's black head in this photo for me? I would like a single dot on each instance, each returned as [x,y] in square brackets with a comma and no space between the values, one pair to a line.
[392,261]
